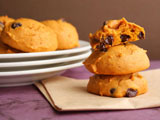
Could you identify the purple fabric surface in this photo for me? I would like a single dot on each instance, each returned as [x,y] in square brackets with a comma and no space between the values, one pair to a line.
[27,103]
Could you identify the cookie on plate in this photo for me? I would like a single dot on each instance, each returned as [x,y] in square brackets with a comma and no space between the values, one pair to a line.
[4,20]
[116,32]
[118,60]
[29,36]
[129,85]
[67,34]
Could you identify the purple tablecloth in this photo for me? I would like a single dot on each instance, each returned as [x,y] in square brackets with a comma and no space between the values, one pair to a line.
[27,103]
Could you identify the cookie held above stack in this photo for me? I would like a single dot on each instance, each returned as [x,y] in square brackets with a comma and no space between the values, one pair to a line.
[115,62]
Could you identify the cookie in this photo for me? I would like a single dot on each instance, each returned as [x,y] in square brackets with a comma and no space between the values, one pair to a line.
[116,32]
[118,60]
[29,36]
[4,20]
[129,85]
[66,33]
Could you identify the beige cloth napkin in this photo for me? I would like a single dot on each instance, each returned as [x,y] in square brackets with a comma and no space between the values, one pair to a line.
[67,94]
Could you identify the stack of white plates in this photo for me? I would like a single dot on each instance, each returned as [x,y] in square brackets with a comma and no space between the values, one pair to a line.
[26,68]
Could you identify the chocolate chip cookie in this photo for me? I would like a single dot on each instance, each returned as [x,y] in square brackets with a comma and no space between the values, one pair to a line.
[116,32]
[29,35]
[129,85]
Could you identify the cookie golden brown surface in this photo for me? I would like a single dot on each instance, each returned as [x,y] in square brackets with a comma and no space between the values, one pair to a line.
[29,36]
[67,35]
[118,60]
[116,32]
[129,85]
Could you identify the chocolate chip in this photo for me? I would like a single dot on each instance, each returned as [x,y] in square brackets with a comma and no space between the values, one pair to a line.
[102,43]
[125,37]
[104,23]
[141,35]
[1,25]
[95,40]
[124,44]
[131,92]
[112,90]
[15,25]
[109,40]
[98,46]
[102,47]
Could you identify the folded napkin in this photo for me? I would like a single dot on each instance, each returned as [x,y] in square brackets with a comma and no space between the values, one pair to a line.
[68,94]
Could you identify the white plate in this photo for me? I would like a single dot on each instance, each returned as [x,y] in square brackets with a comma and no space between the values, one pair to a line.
[29,76]
[12,81]
[44,62]
[84,46]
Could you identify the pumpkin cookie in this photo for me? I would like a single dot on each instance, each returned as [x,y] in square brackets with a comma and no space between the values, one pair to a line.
[4,20]
[116,32]
[118,60]
[66,33]
[29,36]
[129,85]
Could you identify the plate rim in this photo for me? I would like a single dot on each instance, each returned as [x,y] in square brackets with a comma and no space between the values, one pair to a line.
[45,62]
[41,70]
[50,53]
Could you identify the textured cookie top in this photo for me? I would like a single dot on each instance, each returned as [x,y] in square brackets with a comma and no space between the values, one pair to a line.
[67,34]
[29,36]
[115,32]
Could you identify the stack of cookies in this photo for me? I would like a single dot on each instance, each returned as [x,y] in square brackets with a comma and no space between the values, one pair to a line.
[28,35]
[115,62]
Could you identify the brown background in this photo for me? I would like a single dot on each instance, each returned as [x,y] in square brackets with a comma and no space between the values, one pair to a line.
[88,15]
